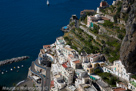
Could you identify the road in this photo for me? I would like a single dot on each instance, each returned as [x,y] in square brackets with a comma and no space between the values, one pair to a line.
[46,79]
[42,77]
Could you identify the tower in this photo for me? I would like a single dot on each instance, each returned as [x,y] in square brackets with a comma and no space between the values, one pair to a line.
[98,10]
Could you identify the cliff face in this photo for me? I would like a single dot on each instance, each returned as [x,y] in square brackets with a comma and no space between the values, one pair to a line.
[128,47]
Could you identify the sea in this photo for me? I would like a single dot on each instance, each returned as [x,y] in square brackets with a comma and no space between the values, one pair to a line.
[27,25]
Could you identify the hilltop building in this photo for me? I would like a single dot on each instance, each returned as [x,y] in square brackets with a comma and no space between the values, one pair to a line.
[103,5]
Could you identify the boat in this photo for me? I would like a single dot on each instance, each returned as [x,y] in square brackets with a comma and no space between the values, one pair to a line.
[22,65]
[14,67]
[11,69]
[18,67]
[6,71]
[2,72]
[48,2]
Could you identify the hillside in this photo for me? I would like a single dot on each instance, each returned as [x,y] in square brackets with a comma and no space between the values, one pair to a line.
[105,38]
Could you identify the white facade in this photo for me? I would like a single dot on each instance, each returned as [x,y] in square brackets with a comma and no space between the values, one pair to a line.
[80,73]
[98,10]
[67,73]
[118,69]
[61,59]
[59,82]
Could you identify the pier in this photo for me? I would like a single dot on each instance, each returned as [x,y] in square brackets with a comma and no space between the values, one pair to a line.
[12,60]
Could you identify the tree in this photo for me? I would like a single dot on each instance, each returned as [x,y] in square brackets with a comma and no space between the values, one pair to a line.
[120,36]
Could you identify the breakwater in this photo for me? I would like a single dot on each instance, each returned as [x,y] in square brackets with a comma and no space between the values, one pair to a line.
[12,60]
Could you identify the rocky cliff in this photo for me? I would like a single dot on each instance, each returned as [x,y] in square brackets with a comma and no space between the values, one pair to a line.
[128,47]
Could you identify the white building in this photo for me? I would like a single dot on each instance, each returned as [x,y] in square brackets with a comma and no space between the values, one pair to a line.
[118,69]
[59,82]
[67,73]
[80,73]
[76,64]
[60,42]
[79,81]
[95,57]
[61,59]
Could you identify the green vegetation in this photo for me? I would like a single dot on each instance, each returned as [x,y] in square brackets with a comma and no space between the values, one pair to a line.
[107,77]
[108,24]
[72,24]
[82,40]
[95,29]
[133,83]
[134,76]
[120,36]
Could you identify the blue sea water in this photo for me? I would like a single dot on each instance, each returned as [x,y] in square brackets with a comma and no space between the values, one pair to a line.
[26,25]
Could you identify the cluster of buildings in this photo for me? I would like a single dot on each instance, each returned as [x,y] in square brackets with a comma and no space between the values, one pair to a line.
[61,68]
[118,70]
[71,71]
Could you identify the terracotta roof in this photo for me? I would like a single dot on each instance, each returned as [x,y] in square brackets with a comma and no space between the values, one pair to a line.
[65,65]
[104,18]
[70,55]
[118,89]
[77,61]
[46,46]
[52,84]
[103,3]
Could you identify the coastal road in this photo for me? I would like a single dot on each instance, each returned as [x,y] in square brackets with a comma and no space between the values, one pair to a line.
[41,76]
[46,79]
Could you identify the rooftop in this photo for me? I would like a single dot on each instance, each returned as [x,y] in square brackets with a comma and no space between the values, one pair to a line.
[77,61]
[101,83]
[87,87]
[68,48]
[94,55]
[46,46]
[119,89]
[104,18]
[70,55]
[52,84]
[66,65]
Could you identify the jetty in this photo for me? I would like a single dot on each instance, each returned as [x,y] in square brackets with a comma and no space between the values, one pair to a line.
[12,60]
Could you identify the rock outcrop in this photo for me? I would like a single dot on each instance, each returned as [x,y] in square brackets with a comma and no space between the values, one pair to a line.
[12,60]
[128,47]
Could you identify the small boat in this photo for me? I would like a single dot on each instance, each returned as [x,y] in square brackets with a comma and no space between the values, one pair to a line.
[11,69]
[2,72]
[22,65]
[47,2]
[18,67]
[6,71]
[14,67]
